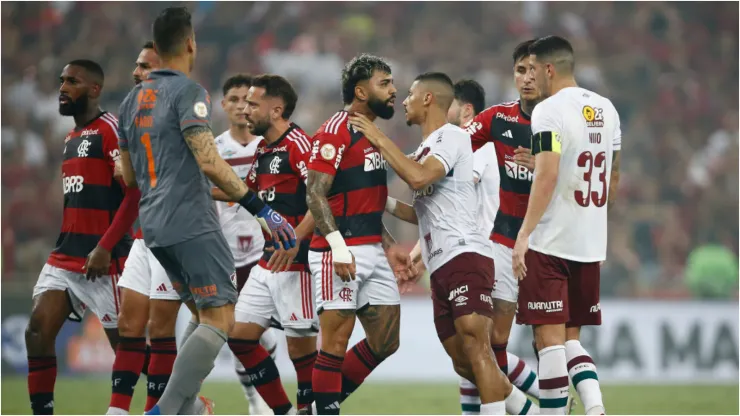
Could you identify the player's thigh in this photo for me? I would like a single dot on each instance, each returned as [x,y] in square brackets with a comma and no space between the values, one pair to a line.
[136,274]
[468,280]
[51,306]
[583,294]
[165,257]
[256,304]
[293,296]
[160,283]
[543,293]
[378,285]
[134,313]
[101,296]
[506,286]
[330,291]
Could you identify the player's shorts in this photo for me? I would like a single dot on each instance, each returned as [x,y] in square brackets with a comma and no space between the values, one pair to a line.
[559,291]
[285,297]
[505,286]
[242,274]
[201,269]
[143,274]
[374,282]
[460,287]
[100,296]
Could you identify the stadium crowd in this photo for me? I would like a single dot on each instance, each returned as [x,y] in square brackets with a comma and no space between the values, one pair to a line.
[670,68]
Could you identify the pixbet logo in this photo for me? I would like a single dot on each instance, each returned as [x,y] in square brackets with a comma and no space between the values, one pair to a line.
[510,119]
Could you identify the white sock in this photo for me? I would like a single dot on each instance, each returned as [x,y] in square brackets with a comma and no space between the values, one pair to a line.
[522,375]
[116,411]
[469,397]
[554,386]
[495,408]
[517,403]
[582,372]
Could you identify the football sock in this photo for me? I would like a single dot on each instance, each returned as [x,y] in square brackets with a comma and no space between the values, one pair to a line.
[517,403]
[499,351]
[469,397]
[494,408]
[359,362]
[304,372]
[554,383]
[42,374]
[263,373]
[163,354]
[130,357]
[327,383]
[521,375]
[582,371]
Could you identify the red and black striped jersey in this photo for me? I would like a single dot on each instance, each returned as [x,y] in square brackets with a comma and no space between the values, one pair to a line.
[507,127]
[92,195]
[279,175]
[358,194]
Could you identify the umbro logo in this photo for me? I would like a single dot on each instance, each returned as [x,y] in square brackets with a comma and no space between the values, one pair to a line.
[508,134]
[106,318]
[162,288]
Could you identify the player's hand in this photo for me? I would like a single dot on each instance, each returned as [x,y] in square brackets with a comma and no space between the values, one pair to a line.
[346,271]
[282,231]
[281,259]
[367,127]
[524,157]
[405,285]
[517,256]
[400,262]
[97,263]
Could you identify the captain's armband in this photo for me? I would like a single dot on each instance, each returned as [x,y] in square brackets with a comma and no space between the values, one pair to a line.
[546,141]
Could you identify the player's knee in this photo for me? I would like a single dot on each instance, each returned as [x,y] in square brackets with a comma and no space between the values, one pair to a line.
[549,335]
[386,346]
[38,339]
[131,324]
[336,344]
[163,319]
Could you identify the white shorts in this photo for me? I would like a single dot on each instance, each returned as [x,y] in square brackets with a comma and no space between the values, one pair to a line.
[285,297]
[100,296]
[374,282]
[142,273]
[505,286]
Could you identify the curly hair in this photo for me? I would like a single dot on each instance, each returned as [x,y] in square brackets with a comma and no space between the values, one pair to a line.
[360,68]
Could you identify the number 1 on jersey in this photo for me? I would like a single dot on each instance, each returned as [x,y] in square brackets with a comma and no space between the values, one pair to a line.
[146,140]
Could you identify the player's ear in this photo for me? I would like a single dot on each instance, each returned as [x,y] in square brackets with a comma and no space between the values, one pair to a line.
[428,98]
[277,112]
[361,92]
[94,91]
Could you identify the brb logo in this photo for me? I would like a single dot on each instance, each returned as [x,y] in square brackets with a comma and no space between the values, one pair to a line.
[374,161]
[345,294]
[517,172]
[73,183]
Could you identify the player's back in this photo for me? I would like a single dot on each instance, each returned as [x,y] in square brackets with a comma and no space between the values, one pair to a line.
[176,202]
[448,208]
[585,131]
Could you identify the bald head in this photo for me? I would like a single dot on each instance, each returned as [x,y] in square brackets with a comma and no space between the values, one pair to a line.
[555,51]
[440,86]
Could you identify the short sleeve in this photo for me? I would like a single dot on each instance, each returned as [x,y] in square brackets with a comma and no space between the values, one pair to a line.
[251,180]
[479,130]
[447,146]
[193,106]
[326,153]
[547,128]
[617,140]
[482,158]
[122,138]
[300,156]
[111,139]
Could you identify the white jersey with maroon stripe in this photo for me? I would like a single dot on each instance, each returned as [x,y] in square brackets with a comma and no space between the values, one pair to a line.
[241,230]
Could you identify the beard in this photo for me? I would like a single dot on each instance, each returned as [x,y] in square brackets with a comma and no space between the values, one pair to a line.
[258,128]
[457,119]
[381,108]
[72,108]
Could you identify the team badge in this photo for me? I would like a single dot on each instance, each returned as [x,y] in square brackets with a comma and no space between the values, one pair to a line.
[328,151]
[200,109]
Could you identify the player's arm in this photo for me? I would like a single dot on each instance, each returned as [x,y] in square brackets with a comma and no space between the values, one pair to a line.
[614,180]
[417,175]
[481,159]
[401,210]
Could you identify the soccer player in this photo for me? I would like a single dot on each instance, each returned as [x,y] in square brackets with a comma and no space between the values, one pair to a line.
[243,233]
[455,249]
[279,287]
[148,300]
[166,136]
[576,142]
[82,270]
[352,256]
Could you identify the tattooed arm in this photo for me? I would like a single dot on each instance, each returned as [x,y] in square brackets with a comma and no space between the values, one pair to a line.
[318,186]
[614,181]
[201,143]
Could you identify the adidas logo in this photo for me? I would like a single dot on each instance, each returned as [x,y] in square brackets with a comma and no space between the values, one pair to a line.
[49,405]
[333,406]
[106,318]
[293,317]
[508,134]
[161,288]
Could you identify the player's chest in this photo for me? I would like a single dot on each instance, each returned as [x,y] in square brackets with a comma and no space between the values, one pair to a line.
[86,144]
[240,160]
[272,167]
[511,134]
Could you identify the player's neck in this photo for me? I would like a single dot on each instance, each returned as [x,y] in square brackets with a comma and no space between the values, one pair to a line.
[433,121]
[84,118]
[527,106]
[276,131]
[561,83]
[358,107]
[241,134]
[181,64]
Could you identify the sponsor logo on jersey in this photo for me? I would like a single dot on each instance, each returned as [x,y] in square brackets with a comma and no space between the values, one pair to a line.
[200,109]
[461,301]
[328,151]
[518,172]
[374,161]
[486,298]
[458,291]
[115,154]
[510,119]
[594,116]
[345,294]
[472,127]
[595,308]
[89,132]
[428,191]
[548,307]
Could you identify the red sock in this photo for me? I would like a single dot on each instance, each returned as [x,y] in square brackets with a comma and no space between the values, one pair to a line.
[163,354]
[304,371]
[327,383]
[42,374]
[358,364]
[263,372]
[130,357]
[499,351]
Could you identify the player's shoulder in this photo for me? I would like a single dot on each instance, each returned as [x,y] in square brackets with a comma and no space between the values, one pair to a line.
[223,139]
[107,124]
[298,140]
[335,125]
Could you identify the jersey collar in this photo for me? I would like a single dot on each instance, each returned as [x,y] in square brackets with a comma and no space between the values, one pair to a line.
[521,111]
[278,141]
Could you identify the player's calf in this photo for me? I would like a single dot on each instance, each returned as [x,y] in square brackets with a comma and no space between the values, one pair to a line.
[582,372]
[326,379]
[302,352]
[162,322]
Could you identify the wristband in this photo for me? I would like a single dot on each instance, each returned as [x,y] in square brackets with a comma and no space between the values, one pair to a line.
[251,203]
[339,250]
[390,204]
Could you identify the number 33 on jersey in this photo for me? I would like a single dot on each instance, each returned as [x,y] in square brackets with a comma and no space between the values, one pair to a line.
[583,127]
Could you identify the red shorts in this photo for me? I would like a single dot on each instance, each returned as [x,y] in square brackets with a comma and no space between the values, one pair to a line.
[559,291]
[242,274]
[460,287]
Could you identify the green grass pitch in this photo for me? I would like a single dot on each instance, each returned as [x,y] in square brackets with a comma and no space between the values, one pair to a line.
[90,396]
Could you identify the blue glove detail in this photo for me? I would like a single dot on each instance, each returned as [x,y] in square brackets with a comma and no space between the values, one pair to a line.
[279,226]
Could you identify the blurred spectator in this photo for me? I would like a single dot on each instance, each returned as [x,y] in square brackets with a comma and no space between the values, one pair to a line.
[670,68]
